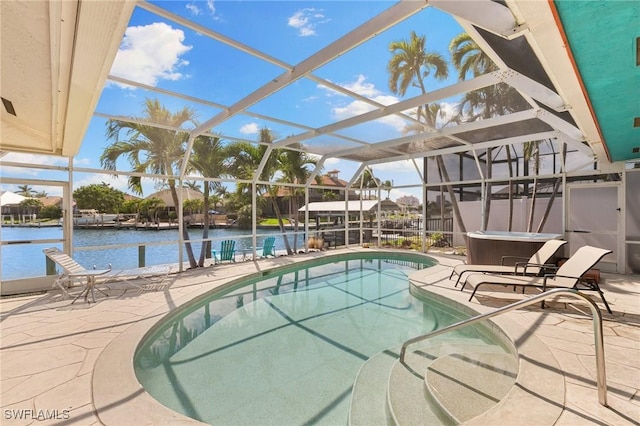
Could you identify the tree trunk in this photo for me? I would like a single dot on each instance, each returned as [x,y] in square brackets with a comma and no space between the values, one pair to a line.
[206,245]
[510,217]
[454,203]
[276,209]
[556,185]
[185,231]
[487,196]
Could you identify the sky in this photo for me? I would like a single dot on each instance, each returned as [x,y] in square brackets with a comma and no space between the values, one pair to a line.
[161,53]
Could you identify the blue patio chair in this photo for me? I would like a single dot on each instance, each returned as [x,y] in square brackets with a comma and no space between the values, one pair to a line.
[269,247]
[227,252]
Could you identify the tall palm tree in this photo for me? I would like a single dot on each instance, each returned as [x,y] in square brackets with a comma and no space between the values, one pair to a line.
[247,158]
[387,185]
[411,64]
[192,185]
[500,99]
[151,149]
[25,190]
[468,58]
[209,158]
[294,166]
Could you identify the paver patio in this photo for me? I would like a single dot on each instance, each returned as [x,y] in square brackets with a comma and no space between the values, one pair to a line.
[49,348]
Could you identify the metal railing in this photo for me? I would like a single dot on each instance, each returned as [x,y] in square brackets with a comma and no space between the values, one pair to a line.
[597,331]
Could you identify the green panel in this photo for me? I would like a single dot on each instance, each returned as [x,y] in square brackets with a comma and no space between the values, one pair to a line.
[602,37]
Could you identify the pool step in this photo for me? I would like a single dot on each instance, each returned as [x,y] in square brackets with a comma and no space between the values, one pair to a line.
[380,381]
[465,386]
[411,401]
[369,393]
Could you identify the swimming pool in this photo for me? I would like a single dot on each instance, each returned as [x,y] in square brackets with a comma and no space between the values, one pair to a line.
[285,348]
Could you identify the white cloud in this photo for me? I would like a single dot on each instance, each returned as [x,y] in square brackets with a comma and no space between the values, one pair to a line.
[306,20]
[250,129]
[211,7]
[151,53]
[357,107]
[195,10]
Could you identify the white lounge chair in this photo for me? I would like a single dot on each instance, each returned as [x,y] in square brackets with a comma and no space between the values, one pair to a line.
[73,272]
[569,275]
[535,265]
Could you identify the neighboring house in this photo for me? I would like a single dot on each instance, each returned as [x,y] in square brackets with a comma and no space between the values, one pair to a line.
[53,200]
[187,194]
[329,183]
[10,202]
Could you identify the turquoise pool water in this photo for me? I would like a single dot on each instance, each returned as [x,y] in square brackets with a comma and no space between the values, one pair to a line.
[285,348]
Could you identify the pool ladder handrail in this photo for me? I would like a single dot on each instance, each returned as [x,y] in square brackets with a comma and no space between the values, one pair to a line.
[597,331]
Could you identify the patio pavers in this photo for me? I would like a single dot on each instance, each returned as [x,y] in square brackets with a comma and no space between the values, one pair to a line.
[49,349]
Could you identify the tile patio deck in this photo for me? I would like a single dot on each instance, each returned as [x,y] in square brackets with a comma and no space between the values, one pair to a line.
[49,349]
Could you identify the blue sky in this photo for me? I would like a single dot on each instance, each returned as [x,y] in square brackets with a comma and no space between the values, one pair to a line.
[162,53]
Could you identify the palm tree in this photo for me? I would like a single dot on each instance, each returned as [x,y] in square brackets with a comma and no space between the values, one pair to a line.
[500,99]
[294,168]
[209,158]
[193,185]
[411,64]
[468,58]
[151,149]
[367,181]
[247,158]
[25,190]
[387,186]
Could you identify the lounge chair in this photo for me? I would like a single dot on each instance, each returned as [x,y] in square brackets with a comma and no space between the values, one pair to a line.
[227,252]
[268,249]
[569,275]
[535,265]
[73,272]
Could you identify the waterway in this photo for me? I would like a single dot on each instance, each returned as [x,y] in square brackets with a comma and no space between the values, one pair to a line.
[161,247]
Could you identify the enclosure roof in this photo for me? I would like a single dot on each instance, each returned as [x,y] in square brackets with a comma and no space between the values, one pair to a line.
[57,57]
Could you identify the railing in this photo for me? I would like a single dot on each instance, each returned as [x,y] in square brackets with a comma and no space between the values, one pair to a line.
[597,331]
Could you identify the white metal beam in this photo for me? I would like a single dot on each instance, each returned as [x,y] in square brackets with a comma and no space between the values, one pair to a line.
[476,146]
[448,131]
[558,123]
[364,32]
[439,94]
[534,89]
[487,14]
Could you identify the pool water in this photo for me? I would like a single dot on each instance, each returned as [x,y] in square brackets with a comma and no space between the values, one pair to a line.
[285,348]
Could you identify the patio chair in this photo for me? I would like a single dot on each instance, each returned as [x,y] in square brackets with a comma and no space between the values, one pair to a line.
[537,264]
[269,247]
[569,275]
[73,272]
[227,252]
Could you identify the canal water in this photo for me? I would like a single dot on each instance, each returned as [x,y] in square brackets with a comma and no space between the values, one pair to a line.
[28,260]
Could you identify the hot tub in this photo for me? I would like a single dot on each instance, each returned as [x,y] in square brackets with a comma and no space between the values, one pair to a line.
[488,247]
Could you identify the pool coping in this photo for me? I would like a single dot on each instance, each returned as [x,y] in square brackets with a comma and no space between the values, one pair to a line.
[119,398]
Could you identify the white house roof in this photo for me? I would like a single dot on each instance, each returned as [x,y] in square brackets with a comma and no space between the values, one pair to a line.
[187,194]
[8,198]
